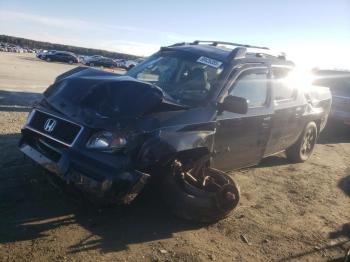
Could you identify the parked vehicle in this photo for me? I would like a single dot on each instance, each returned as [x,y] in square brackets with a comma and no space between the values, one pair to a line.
[41,54]
[128,64]
[87,58]
[60,56]
[101,61]
[119,62]
[339,84]
[184,113]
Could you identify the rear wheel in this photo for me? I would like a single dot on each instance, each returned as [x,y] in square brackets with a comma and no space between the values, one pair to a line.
[199,193]
[304,146]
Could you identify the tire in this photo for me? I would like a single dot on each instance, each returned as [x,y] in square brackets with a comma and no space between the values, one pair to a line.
[70,62]
[48,59]
[304,146]
[196,204]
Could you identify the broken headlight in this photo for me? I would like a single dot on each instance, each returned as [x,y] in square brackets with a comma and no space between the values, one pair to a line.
[106,141]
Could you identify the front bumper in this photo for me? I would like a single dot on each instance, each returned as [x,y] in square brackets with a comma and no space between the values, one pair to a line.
[104,177]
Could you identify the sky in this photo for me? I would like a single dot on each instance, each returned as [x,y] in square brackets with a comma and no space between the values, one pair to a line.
[312,33]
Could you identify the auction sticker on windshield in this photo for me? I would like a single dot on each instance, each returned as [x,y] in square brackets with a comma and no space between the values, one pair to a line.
[210,62]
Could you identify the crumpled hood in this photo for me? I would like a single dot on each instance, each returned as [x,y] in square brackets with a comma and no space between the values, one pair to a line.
[99,99]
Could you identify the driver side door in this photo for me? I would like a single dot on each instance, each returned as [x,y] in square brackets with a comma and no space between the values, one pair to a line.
[241,139]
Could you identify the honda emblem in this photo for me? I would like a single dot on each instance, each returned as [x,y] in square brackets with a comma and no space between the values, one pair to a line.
[50,125]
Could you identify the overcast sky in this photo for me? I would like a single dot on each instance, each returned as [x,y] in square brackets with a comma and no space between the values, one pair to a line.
[313,33]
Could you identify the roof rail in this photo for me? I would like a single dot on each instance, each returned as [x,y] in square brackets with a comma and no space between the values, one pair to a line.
[215,43]
[178,44]
[240,50]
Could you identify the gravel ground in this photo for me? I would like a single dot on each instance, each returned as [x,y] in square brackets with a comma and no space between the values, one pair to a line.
[288,212]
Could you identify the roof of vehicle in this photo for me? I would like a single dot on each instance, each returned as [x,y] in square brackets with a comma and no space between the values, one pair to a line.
[223,51]
[96,56]
[64,52]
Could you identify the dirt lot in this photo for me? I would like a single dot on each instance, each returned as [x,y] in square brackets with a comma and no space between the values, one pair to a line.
[288,212]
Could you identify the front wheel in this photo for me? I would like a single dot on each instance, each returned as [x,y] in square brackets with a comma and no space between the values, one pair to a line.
[205,196]
[304,146]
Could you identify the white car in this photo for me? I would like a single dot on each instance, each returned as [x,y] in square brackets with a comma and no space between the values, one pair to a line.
[128,64]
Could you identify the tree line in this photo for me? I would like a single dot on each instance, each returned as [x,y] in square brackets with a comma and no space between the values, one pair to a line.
[33,44]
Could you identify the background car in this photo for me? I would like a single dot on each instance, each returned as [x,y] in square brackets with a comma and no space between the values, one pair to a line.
[130,64]
[101,61]
[41,53]
[339,83]
[60,56]
[85,59]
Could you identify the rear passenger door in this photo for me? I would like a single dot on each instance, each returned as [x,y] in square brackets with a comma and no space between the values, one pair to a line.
[58,56]
[288,111]
[240,139]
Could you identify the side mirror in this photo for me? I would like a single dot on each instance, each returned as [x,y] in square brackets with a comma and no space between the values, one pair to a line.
[234,104]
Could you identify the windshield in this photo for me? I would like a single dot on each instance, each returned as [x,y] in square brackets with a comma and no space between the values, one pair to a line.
[188,81]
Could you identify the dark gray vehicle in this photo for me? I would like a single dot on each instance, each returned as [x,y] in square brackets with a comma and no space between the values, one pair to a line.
[339,84]
[176,118]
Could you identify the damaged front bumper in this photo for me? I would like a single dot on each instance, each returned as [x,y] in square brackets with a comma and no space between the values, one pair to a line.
[107,178]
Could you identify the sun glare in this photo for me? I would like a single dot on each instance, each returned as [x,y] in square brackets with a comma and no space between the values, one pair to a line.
[301,78]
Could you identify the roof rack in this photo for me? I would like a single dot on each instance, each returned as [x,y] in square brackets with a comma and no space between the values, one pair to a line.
[240,50]
[215,43]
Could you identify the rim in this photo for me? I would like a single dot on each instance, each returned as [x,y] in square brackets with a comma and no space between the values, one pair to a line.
[212,181]
[308,142]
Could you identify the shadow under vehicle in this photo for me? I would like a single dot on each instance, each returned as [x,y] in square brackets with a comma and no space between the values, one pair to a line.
[175,119]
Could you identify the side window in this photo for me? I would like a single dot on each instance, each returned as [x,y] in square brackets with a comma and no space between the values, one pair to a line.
[252,86]
[282,89]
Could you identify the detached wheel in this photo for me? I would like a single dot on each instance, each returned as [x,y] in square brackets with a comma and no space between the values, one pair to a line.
[205,200]
[303,148]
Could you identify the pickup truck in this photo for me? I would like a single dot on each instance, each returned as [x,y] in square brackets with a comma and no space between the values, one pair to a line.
[180,118]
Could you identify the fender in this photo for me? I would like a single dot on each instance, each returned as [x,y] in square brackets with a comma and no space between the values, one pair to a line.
[168,142]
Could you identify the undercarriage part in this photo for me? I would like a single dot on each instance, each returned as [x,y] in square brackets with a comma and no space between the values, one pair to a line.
[199,193]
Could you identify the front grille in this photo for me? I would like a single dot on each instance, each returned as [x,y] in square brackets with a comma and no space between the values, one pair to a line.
[62,130]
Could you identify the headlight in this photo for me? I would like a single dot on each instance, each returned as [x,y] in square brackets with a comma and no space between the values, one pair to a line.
[106,141]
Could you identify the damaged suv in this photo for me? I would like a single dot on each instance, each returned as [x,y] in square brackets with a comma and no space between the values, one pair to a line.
[178,118]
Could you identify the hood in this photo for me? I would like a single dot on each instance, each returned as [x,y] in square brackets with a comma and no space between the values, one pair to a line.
[99,99]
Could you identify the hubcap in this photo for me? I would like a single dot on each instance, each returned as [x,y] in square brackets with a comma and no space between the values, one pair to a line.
[308,143]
